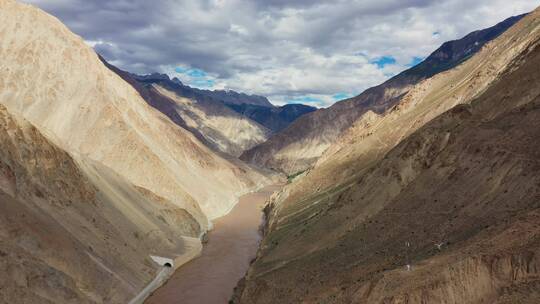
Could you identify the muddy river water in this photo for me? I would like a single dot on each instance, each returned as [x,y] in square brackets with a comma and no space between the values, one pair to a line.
[232,244]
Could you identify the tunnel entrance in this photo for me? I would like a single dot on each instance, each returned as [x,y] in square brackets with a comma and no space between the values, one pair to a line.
[163,262]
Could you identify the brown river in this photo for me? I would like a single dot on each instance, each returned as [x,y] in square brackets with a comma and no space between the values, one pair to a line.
[232,244]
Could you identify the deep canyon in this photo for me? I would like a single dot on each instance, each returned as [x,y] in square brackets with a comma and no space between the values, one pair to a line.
[422,189]
[232,245]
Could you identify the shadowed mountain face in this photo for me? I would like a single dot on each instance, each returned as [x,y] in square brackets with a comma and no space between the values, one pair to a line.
[435,200]
[299,146]
[274,118]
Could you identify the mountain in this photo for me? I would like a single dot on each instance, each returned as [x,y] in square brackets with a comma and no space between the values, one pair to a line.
[256,108]
[435,200]
[92,179]
[273,118]
[226,96]
[211,121]
[89,110]
[232,97]
[299,146]
[72,230]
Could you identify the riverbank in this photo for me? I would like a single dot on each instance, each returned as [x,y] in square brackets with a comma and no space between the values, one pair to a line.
[232,244]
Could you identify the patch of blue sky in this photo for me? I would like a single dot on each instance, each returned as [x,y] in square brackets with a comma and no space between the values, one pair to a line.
[196,73]
[341,96]
[381,62]
[304,99]
[195,77]
[181,70]
[201,82]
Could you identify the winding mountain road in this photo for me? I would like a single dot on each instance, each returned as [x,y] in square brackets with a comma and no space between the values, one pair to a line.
[162,275]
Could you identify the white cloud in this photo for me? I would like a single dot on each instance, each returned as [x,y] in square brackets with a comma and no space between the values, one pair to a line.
[286,50]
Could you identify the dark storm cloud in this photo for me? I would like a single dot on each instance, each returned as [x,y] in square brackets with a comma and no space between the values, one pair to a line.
[287,50]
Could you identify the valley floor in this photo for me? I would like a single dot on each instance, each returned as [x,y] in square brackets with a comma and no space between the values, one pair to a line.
[232,244]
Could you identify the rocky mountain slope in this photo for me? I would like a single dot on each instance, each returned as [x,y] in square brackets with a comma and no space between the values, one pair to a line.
[299,146]
[210,120]
[73,231]
[438,201]
[92,179]
[86,108]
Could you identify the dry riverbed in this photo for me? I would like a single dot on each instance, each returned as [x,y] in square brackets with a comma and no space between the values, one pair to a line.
[232,244]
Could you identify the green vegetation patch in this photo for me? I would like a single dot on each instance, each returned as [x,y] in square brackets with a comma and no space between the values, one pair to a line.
[291,177]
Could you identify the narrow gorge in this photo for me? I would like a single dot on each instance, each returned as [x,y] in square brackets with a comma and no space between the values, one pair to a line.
[231,246]
[261,152]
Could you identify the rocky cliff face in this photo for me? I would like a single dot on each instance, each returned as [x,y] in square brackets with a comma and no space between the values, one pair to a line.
[438,200]
[299,146]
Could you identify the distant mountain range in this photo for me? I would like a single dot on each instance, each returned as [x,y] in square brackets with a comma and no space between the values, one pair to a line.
[226,121]
[274,118]
[254,107]
[226,96]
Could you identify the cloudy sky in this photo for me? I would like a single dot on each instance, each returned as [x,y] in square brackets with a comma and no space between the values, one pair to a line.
[313,52]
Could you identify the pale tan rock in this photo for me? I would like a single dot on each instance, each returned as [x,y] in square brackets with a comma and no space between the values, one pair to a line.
[53,79]
[73,231]
[224,129]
